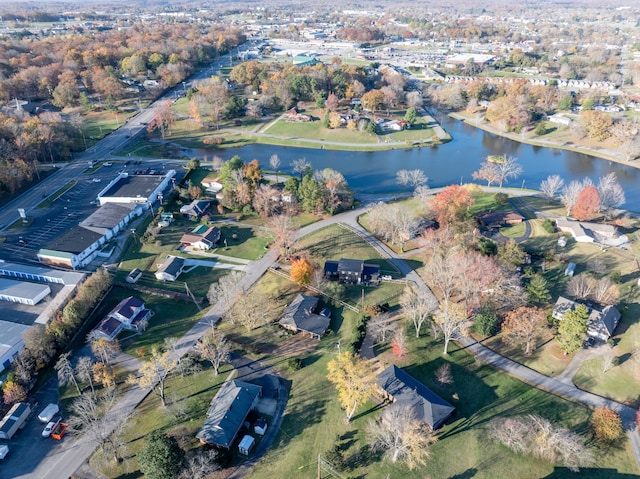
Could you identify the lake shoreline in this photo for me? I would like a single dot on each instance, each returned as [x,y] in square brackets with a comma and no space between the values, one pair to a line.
[545,143]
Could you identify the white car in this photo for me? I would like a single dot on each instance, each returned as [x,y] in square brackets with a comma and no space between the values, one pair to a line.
[46,432]
[97,180]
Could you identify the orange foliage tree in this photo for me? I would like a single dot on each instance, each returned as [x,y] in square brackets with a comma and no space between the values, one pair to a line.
[451,204]
[523,326]
[606,424]
[587,204]
[301,270]
[13,393]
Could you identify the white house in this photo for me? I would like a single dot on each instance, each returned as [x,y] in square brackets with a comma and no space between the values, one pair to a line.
[586,232]
[130,314]
[170,268]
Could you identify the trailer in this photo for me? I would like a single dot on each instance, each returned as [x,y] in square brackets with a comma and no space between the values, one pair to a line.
[59,431]
[14,420]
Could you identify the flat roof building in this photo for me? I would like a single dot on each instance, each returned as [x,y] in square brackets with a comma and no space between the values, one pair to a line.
[40,273]
[111,218]
[11,342]
[23,291]
[75,249]
[135,189]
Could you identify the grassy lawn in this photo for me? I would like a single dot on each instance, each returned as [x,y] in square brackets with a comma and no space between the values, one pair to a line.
[419,131]
[314,423]
[514,231]
[335,242]
[314,130]
[487,202]
[46,203]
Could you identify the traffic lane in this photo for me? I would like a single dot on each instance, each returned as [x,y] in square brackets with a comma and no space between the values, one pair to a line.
[28,448]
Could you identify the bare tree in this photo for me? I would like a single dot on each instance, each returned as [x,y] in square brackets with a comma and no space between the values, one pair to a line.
[412,178]
[606,291]
[301,166]
[252,309]
[569,195]
[282,232]
[443,374]
[274,163]
[611,193]
[507,169]
[608,358]
[551,185]
[423,193]
[215,348]
[382,326]
[400,436]
[226,290]
[581,286]
[265,200]
[66,374]
[417,305]
[200,464]
[488,172]
[84,370]
[392,222]
[453,322]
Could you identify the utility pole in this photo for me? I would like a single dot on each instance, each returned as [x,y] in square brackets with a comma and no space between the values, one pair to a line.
[190,294]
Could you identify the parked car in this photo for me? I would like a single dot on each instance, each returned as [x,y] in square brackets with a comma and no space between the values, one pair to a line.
[51,425]
[97,180]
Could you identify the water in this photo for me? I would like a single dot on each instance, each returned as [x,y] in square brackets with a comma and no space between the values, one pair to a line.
[454,162]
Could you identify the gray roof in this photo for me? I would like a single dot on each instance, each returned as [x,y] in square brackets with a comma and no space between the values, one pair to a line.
[22,289]
[133,186]
[299,315]
[40,273]
[354,265]
[75,241]
[599,322]
[404,389]
[10,335]
[107,216]
[228,410]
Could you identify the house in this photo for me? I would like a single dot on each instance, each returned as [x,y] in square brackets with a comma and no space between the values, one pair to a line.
[399,387]
[300,317]
[560,120]
[211,184]
[601,323]
[130,314]
[195,209]
[496,219]
[352,271]
[570,269]
[293,115]
[586,232]
[202,237]
[227,413]
[170,268]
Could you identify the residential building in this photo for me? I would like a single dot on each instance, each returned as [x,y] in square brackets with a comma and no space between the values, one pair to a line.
[352,271]
[586,232]
[496,219]
[170,268]
[195,209]
[401,388]
[300,317]
[228,412]
[601,322]
[130,314]
[202,237]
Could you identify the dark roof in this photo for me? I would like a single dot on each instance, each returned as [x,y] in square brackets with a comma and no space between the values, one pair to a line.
[404,389]
[109,326]
[353,265]
[299,315]
[599,322]
[107,216]
[133,186]
[331,267]
[228,410]
[370,269]
[196,207]
[212,235]
[75,241]
[127,307]
[499,217]
[171,265]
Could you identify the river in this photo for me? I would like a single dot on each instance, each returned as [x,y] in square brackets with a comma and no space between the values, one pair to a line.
[453,162]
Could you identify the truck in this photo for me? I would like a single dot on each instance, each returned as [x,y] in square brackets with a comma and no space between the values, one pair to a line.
[47,413]
[59,431]
[14,420]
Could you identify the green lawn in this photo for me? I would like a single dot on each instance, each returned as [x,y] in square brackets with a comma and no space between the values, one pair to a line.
[314,130]
[335,242]
[487,202]
[514,231]
[61,191]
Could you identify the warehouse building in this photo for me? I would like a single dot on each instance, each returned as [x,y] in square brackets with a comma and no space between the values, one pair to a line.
[23,291]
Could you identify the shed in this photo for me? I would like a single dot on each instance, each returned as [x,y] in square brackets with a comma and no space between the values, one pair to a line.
[260,428]
[246,444]
[571,268]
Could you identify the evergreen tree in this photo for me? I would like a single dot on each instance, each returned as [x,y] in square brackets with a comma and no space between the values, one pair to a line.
[538,290]
[161,458]
[572,329]
[411,115]
[309,193]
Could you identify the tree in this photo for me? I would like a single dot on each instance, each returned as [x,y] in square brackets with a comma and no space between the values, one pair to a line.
[353,379]
[606,291]
[226,290]
[84,371]
[551,186]
[608,358]
[606,425]
[452,321]
[192,164]
[161,457]
[335,120]
[572,329]
[611,193]
[399,343]
[332,102]
[523,326]
[451,204]
[394,223]
[412,178]
[569,195]
[488,172]
[536,436]
[40,345]
[200,464]
[538,290]
[215,348]
[301,270]
[597,124]
[485,321]
[301,166]
[372,100]
[418,304]
[274,163]
[511,253]
[400,436]
[265,200]
[580,286]
[154,372]
[13,392]
[381,326]
[310,194]
[411,116]
[66,374]
[508,168]
[103,349]
[587,204]
[103,374]
[282,232]
[443,374]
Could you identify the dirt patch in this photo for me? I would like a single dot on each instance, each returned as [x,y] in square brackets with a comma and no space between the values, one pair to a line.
[297,345]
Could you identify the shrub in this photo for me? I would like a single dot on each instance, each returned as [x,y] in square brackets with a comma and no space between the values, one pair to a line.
[547,225]
[501,198]
[485,322]
[616,277]
[295,364]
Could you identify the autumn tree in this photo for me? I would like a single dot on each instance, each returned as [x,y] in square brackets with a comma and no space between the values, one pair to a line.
[13,392]
[214,347]
[597,124]
[400,436]
[103,349]
[569,195]
[301,270]
[372,100]
[451,204]
[587,204]
[572,329]
[353,379]
[524,326]
[606,425]
[418,304]
[103,374]
[332,102]
[154,372]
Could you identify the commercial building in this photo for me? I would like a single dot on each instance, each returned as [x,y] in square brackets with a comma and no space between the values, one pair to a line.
[135,189]
[11,342]
[110,219]
[75,249]
[23,291]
